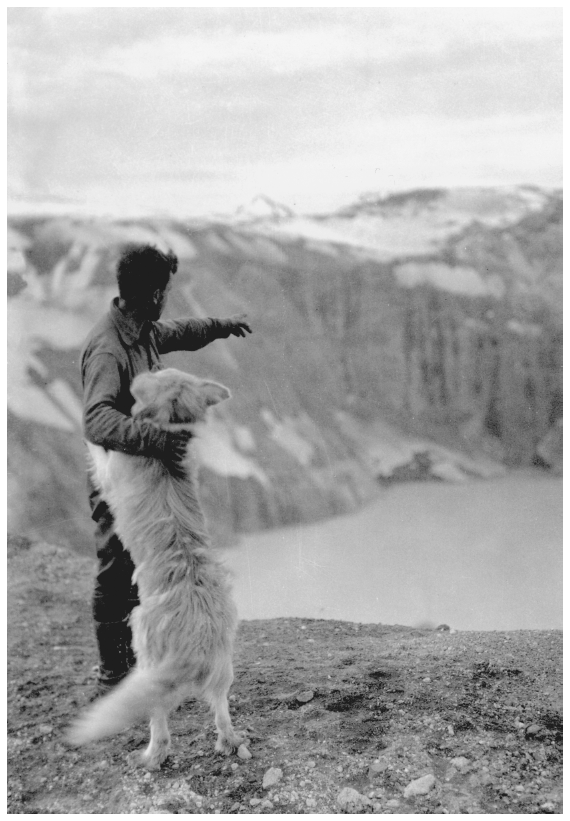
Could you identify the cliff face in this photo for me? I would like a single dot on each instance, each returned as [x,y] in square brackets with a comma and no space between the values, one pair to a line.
[367,361]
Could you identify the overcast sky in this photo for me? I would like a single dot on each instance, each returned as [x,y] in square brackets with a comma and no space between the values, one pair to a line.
[199,109]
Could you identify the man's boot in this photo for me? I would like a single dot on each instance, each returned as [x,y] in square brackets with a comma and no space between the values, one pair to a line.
[115,653]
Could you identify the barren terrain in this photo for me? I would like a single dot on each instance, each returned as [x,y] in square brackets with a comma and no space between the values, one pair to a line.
[341,716]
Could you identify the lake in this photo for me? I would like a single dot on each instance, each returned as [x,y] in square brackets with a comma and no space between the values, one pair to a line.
[482,555]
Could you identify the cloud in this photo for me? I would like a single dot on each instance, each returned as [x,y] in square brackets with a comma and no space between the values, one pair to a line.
[217,97]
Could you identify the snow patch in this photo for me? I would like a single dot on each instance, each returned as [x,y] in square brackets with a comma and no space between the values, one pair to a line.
[217,243]
[177,242]
[524,328]
[286,435]
[216,450]
[30,327]
[64,395]
[16,261]
[455,279]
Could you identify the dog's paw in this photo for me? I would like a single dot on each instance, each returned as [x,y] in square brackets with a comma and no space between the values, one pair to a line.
[152,760]
[230,743]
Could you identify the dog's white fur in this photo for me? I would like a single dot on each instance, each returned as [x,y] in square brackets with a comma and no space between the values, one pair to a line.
[184,627]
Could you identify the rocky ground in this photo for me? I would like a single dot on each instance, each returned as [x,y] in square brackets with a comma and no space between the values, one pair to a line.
[342,717]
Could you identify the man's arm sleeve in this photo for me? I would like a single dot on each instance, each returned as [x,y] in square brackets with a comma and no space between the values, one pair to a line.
[103,424]
[188,334]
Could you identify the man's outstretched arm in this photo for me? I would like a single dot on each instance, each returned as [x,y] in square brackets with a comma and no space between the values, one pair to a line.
[194,333]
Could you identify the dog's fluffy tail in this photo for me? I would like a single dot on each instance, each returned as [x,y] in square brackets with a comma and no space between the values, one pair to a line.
[130,701]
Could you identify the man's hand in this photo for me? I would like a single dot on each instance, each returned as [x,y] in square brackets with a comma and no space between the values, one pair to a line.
[175,451]
[237,325]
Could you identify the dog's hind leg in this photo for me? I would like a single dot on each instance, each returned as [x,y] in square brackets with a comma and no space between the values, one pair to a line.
[217,695]
[159,746]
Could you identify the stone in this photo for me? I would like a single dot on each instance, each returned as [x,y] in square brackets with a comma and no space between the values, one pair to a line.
[420,786]
[534,731]
[378,767]
[460,763]
[311,802]
[272,777]
[351,801]
[305,696]
[254,802]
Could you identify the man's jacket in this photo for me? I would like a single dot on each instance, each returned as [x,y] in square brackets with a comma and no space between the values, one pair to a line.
[117,350]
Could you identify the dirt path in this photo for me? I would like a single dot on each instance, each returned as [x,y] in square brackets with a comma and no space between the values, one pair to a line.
[347,715]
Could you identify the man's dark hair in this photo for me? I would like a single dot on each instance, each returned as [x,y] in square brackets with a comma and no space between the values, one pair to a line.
[142,269]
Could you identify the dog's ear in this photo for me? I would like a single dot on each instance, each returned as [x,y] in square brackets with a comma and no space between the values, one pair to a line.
[214,392]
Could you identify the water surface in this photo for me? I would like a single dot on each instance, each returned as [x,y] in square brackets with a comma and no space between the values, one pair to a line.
[483,555]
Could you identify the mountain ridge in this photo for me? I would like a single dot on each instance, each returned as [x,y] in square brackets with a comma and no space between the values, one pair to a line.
[401,359]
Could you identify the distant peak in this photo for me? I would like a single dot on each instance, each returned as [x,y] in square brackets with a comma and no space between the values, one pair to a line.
[263,207]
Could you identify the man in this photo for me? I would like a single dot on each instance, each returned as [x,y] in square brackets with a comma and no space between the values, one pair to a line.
[126,342]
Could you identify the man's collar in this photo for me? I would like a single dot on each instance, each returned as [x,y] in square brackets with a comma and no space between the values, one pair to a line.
[129,329]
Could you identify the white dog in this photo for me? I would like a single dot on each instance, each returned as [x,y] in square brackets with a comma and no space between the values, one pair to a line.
[184,627]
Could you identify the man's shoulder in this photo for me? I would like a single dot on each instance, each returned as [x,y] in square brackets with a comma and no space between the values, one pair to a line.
[102,338]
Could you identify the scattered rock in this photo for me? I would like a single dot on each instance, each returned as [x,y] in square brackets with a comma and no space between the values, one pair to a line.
[554,795]
[421,786]
[460,763]
[378,767]
[393,802]
[443,628]
[351,801]
[305,696]
[272,777]
[267,804]
[311,802]
[45,729]
[254,802]
[534,731]
[548,806]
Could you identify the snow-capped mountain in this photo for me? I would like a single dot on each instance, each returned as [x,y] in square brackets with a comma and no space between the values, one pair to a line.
[416,222]
[261,208]
[409,336]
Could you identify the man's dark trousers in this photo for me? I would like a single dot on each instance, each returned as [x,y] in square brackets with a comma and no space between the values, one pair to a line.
[115,595]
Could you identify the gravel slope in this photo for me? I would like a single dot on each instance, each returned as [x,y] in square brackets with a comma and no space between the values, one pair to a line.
[342,717]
